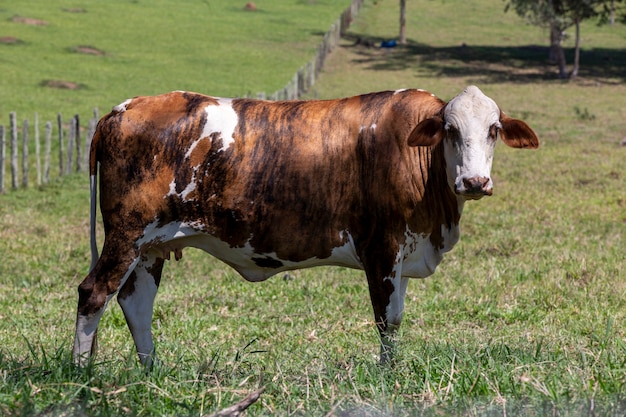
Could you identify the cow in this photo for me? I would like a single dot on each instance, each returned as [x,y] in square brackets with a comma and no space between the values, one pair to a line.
[375,182]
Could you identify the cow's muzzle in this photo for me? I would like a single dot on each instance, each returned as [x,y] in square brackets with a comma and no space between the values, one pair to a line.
[475,187]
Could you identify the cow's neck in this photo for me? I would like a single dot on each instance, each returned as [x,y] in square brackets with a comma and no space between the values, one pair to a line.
[439,207]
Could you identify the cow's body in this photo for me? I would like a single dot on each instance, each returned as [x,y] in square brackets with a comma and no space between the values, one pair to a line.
[274,186]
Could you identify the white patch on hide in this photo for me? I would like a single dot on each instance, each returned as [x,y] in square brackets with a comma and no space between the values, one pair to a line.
[122,106]
[222,119]
[419,257]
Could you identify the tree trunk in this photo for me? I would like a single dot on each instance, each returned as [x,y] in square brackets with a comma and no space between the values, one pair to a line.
[612,18]
[574,72]
[556,49]
[402,22]
[555,42]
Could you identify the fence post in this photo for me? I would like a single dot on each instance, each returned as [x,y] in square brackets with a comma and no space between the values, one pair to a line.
[79,148]
[311,73]
[46,163]
[70,146]
[37,150]
[295,93]
[25,154]
[3,157]
[12,118]
[60,124]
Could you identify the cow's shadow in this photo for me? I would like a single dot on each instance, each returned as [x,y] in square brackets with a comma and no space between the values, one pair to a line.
[488,64]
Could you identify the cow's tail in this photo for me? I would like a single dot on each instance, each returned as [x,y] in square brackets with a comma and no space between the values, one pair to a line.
[93,191]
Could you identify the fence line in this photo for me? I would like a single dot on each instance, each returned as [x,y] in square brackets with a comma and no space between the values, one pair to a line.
[305,77]
[73,152]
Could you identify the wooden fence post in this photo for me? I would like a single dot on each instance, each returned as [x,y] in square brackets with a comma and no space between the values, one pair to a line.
[25,154]
[48,150]
[70,147]
[60,123]
[12,118]
[37,150]
[79,148]
[3,157]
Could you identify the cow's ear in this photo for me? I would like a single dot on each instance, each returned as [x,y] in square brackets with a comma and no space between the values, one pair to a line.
[517,134]
[428,132]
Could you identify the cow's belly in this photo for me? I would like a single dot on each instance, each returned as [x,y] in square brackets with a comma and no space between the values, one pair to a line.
[419,257]
[253,266]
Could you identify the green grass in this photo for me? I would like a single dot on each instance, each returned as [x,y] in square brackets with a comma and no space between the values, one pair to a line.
[211,46]
[526,316]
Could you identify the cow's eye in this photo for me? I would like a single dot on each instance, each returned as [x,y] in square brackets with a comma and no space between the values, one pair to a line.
[493,132]
[452,130]
[453,135]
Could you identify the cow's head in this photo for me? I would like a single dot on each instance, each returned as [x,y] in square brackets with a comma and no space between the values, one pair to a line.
[469,126]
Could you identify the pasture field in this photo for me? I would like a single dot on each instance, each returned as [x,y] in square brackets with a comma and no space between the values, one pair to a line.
[526,316]
[106,52]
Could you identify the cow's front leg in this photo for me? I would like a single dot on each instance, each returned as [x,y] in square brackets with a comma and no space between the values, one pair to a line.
[87,320]
[102,282]
[136,298]
[394,311]
[387,295]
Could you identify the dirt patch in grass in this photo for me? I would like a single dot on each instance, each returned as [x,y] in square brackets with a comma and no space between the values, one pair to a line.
[61,84]
[10,40]
[88,50]
[29,21]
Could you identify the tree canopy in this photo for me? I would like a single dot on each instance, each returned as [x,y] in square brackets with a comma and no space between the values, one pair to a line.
[559,15]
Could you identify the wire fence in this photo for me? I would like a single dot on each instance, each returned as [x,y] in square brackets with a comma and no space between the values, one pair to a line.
[305,77]
[73,149]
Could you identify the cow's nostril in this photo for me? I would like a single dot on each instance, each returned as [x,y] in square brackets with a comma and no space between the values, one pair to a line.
[477,185]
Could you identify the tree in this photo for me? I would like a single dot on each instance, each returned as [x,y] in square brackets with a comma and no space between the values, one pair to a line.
[558,15]
[402,22]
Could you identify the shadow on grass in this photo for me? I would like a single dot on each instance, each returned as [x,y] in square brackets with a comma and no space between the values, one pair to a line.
[489,64]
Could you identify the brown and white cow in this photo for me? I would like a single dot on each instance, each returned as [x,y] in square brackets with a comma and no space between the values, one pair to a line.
[375,182]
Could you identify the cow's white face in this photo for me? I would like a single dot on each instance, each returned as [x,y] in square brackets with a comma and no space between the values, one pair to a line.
[469,126]
[471,122]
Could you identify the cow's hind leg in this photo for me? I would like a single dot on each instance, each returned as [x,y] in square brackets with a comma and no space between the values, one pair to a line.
[136,298]
[102,282]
